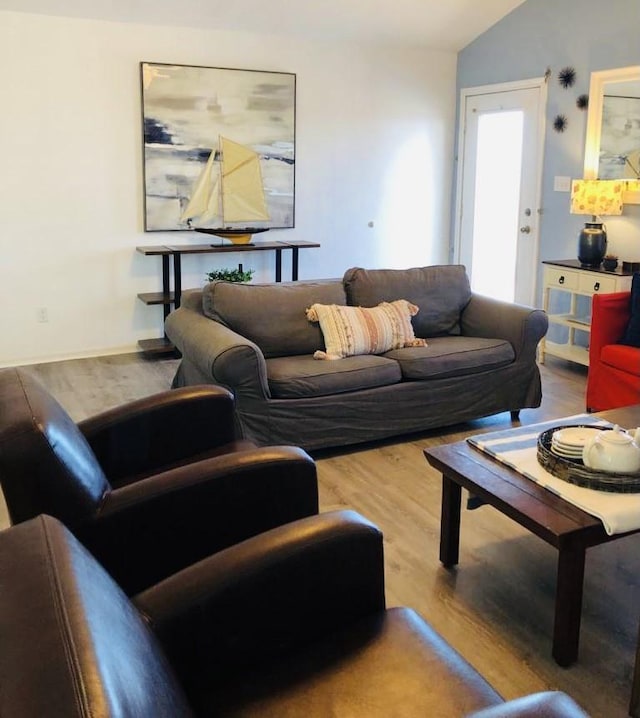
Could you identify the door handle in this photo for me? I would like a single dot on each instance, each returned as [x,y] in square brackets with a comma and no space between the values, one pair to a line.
[526,229]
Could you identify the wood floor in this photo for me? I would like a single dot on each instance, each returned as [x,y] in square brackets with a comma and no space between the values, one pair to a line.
[496,608]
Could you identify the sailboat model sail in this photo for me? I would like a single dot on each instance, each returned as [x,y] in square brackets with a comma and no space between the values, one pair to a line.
[229,191]
[242,191]
[204,204]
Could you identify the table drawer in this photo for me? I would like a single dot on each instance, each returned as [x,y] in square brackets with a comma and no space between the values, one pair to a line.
[561,278]
[596,283]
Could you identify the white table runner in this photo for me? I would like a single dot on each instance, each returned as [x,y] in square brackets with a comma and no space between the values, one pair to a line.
[517,448]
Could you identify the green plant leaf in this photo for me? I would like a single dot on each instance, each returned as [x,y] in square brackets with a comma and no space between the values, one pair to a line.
[230,275]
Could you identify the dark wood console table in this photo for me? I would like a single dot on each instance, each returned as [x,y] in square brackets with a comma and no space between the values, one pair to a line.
[167,297]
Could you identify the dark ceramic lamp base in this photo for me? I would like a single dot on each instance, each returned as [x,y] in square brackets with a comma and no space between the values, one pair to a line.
[592,244]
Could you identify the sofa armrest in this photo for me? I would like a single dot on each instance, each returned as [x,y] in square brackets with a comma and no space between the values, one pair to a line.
[226,356]
[148,530]
[161,429]
[522,326]
[269,595]
[610,314]
[192,299]
[547,704]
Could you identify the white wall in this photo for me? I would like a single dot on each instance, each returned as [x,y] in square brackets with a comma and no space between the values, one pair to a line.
[375,133]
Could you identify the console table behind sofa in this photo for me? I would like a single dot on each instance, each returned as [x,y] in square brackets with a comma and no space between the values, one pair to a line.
[167,297]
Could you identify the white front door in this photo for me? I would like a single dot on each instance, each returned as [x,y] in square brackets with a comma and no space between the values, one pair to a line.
[501,150]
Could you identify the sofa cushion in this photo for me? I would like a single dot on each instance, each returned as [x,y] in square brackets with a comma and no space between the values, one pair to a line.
[272,315]
[349,331]
[440,292]
[452,356]
[623,357]
[296,377]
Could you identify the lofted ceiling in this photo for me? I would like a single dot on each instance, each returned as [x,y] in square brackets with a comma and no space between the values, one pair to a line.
[438,24]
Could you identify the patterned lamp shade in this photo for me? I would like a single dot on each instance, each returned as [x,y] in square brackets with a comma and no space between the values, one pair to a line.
[597,197]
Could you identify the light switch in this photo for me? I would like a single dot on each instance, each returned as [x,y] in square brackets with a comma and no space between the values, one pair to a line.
[561,184]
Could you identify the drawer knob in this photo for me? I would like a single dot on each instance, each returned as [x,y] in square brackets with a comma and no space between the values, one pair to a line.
[596,287]
[561,280]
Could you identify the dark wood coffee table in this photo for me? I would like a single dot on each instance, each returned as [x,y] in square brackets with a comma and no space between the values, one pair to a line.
[559,523]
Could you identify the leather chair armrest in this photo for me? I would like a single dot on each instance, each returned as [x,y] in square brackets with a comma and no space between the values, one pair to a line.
[148,530]
[547,704]
[267,596]
[161,429]
[523,326]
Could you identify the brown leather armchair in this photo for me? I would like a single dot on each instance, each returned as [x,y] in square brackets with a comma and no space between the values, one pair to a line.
[151,486]
[289,623]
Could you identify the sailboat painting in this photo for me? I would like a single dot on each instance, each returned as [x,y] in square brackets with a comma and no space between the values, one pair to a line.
[219,150]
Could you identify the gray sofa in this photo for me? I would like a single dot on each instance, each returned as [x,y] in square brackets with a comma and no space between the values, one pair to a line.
[255,339]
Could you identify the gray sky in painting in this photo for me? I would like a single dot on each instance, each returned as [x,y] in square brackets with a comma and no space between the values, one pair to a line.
[197,104]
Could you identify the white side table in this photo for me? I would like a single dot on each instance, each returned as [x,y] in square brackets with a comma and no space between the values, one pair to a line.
[568,275]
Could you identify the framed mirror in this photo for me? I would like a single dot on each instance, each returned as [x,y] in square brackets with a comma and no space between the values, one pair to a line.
[612,148]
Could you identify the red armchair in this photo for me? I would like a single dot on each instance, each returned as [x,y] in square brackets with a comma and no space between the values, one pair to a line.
[614,369]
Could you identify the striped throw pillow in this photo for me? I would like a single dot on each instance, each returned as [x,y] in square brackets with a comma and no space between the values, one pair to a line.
[349,331]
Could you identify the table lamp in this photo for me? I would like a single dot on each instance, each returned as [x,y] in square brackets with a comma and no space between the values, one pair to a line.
[597,198]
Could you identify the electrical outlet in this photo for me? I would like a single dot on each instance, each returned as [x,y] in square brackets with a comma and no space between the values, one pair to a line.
[42,315]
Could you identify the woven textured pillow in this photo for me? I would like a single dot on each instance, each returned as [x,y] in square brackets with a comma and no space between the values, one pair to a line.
[349,331]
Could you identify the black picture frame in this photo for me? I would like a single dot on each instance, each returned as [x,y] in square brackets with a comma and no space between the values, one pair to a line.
[185,108]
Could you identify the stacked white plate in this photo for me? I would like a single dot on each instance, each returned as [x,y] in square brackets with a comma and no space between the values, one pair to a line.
[569,442]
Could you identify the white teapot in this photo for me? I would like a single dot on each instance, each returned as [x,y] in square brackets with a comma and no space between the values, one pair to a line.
[614,450]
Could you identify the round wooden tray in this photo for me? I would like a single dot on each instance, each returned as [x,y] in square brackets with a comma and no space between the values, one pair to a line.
[575,472]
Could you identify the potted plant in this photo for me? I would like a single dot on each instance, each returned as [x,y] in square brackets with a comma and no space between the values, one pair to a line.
[231,275]
[610,262]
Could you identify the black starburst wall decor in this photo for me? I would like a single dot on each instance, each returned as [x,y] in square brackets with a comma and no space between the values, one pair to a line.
[566,77]
[582,103]
[560,123]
